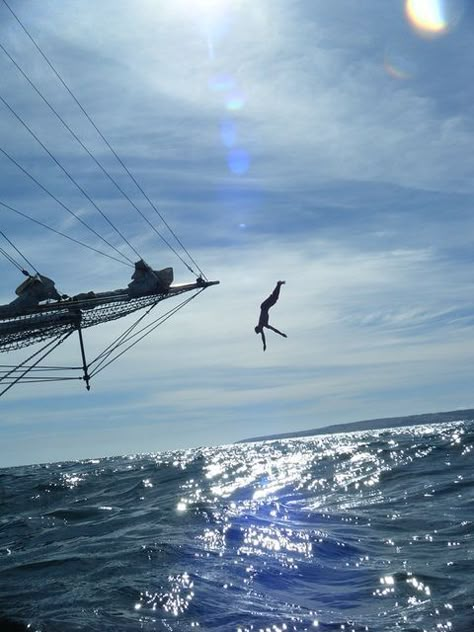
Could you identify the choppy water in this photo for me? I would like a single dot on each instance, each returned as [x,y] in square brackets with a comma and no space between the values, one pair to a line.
[356,532]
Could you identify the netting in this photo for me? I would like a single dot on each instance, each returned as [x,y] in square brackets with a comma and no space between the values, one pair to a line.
[50,321]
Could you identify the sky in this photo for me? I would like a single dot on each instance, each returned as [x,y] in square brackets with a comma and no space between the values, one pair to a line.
[327,144]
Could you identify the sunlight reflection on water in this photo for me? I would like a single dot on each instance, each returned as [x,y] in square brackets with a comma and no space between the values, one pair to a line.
[358,531]
[277,505]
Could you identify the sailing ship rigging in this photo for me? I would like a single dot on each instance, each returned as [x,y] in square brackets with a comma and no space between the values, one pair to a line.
[42,317]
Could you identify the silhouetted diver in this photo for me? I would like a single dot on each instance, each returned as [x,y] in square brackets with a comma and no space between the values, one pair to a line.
[264,307]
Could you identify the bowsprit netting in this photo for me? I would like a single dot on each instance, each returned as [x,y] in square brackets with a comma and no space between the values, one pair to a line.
[48,321]
[53,323]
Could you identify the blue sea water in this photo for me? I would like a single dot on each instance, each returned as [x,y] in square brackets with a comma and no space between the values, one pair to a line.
[366,531]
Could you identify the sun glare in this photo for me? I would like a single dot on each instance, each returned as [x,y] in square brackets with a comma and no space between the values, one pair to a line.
[207,8]
[426,15]
[432,18]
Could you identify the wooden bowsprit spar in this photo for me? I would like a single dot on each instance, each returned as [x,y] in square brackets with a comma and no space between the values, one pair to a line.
[53,322]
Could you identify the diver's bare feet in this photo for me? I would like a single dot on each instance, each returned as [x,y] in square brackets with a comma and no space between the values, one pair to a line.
[281,282]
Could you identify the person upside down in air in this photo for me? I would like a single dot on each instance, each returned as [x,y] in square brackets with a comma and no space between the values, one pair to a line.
[264,308]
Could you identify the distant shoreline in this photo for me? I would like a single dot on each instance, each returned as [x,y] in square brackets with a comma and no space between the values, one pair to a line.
[372,424]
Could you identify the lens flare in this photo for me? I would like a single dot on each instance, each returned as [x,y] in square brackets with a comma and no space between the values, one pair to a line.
[221,83]
[395,72]
[235,101]
[238,161]
[228,133]
[426,15]
[398,66]
[432,18]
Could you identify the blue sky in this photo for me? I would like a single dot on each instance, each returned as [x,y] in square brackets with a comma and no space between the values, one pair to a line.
[328,144]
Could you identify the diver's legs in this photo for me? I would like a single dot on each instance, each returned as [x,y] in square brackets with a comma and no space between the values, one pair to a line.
[273,298]
[277,331]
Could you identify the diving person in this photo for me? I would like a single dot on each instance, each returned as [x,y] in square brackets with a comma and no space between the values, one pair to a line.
[264,308]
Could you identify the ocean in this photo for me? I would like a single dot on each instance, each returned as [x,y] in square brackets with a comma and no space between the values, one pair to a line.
[355,532]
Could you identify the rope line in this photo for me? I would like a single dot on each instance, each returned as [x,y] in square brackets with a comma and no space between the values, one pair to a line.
[71,178]
[97,162]
[64,206]
[151,327]
[37,380]
[11,259]
[39,369]
[89,118]
[58,340]
[119,340]
[21,255]
[58,232]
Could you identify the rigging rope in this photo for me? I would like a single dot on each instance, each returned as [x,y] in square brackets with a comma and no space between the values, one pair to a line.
[99,164]
[105,353]
[12,260]
[64,206]
[151,327]
[71,178]
[79,219]
[58,232]
[51,343]
[25,272]
[37,380]
[40,369]
[37,46]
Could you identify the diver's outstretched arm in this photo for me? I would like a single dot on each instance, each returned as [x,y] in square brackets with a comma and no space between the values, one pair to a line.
[277,331]
[264,341]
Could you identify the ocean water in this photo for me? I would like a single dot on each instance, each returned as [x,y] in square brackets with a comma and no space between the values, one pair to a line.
[366,531]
